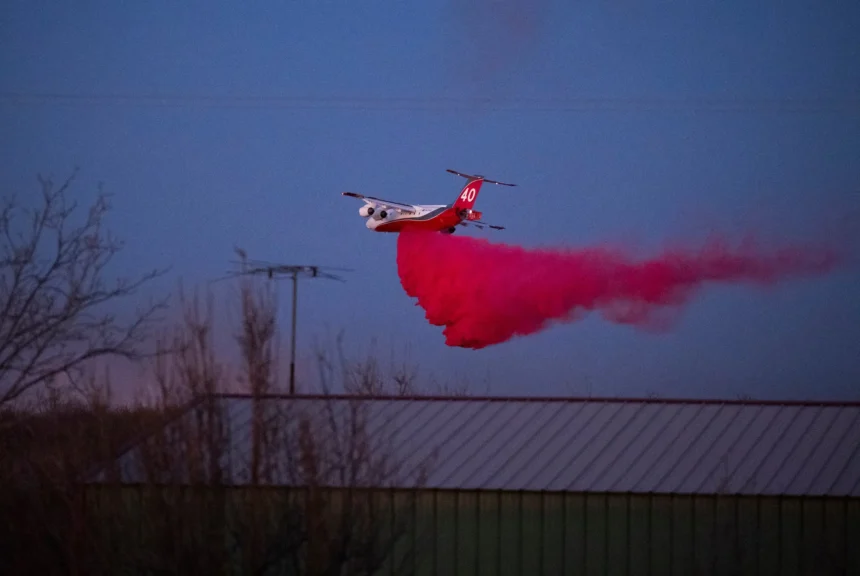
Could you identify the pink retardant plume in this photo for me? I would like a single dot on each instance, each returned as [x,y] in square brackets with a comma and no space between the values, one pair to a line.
[485,293]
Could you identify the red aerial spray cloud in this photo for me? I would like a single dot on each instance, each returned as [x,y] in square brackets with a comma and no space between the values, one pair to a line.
[485,293]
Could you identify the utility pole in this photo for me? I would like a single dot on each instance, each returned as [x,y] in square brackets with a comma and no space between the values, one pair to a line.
[293,335]
[271,270]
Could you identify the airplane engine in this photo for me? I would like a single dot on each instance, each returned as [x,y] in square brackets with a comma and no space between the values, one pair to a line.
[380,215]
[366,210]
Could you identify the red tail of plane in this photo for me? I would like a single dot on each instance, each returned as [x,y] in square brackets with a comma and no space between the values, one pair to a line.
[469,193]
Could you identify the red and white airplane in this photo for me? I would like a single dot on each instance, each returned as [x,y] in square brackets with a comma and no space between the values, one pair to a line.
[387,216]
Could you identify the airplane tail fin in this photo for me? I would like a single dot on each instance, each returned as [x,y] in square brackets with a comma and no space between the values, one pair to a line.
[469,193]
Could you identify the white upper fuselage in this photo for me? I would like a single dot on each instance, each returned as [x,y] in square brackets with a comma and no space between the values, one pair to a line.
[421,212]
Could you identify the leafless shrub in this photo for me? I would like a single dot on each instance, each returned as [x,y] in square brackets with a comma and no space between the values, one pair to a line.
[257,336]
[42,456]
[367,376]
[257,341]
[290,487]
[263,486]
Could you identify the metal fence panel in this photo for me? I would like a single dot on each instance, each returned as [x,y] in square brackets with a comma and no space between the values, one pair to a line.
[852,537]
[426,520]
[145,530]
[639,522]
[617,536]
[490,524]
[791,536]
[510,526]
[682,510]
[551,559]
[531,532]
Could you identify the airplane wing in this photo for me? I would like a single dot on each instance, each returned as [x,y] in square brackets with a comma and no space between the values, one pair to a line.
[399,206]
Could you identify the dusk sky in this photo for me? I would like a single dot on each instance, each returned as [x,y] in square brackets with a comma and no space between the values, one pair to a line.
[217,124]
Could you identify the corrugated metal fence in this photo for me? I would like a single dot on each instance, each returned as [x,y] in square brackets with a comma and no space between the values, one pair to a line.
[467,532]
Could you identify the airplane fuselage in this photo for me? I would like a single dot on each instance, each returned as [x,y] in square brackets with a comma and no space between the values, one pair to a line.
[426,217]
[389,216]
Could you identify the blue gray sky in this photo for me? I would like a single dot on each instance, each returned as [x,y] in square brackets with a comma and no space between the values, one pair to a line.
[217,124]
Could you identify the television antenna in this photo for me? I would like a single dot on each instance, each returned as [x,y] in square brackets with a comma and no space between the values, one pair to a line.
[276,271]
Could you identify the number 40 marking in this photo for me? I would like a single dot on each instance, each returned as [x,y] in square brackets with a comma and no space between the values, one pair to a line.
[468,195]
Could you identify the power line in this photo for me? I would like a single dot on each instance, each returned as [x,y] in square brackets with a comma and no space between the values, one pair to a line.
[442,103]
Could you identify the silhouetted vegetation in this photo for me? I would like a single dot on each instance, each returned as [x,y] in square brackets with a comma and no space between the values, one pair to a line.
[185,513]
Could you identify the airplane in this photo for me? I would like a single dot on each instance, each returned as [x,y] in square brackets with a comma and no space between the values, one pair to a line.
[387,216]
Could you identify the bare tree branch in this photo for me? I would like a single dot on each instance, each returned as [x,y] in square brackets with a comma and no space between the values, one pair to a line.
[54,297]
[257,340]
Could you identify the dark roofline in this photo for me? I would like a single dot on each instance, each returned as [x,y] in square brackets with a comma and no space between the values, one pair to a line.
[568,399]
